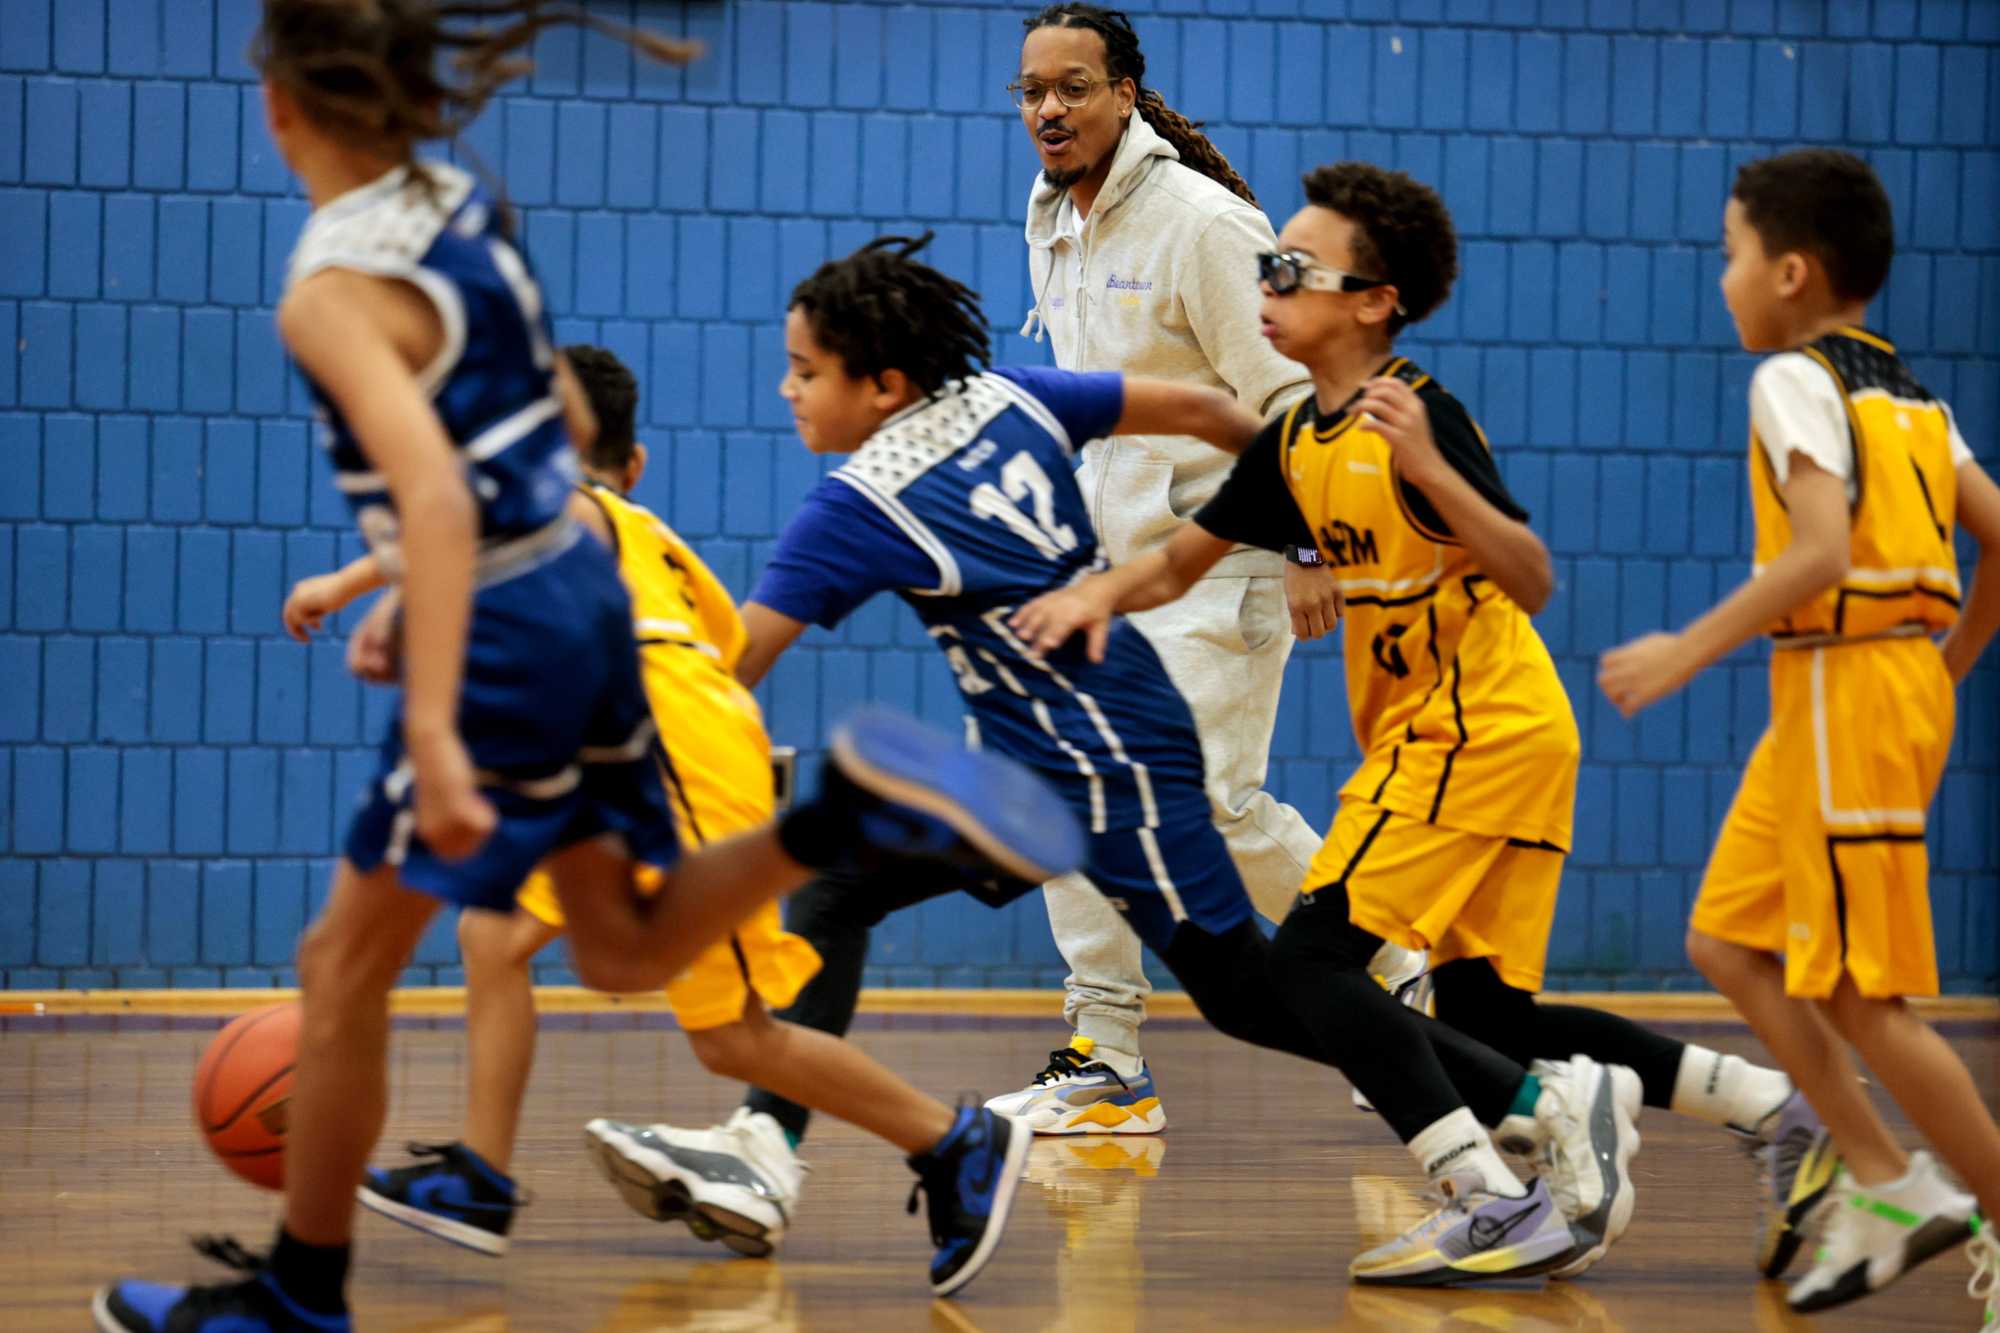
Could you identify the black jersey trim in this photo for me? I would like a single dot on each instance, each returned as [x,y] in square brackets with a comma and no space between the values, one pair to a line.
[1457,707]
[1354,862]
[1836,840]
[1930,505]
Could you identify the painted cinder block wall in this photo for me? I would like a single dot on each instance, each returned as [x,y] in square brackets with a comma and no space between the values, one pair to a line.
[174,773]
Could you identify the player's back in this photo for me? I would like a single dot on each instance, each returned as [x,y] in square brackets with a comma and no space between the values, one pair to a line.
[1902,455]
[492,382]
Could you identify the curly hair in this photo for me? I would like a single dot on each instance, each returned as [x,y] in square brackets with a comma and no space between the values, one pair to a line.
[879,310]
[1402,232]
[613,392]
[367,70]
[1825,203]
[1124,60]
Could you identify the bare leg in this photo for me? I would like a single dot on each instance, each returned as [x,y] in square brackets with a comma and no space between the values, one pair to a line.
[824,1073]
[621,941]
[1929,1082]
[1808,1049]
[499,1025]
[348,961]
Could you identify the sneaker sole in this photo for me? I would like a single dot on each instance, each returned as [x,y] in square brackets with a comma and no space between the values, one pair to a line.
[1142,1117]
[1928,1242]
[100,1313]
[1449,1276]
[995,806]
[1785,1233]
[1624,1096]
[661,1198]
[456,1233]
[1012,1167]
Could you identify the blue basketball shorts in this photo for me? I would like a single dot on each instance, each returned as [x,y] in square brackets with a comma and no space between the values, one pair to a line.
[1160,877]
[553,713]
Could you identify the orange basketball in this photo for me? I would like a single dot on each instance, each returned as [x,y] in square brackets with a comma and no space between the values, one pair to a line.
[243,1091]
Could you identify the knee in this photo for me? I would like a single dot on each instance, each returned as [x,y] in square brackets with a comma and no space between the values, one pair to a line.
[1720,961]
[497,942]
[729,1051]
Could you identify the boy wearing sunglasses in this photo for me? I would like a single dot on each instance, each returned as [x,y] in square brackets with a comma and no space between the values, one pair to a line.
[1451,834]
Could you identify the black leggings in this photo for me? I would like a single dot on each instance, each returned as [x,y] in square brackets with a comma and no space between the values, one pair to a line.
[1307,993]
[1472,998]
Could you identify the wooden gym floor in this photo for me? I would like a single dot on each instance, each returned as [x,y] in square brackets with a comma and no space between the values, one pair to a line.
[1242,1216]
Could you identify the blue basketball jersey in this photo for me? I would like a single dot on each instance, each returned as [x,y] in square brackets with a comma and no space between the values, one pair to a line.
[967,506]
[492,382]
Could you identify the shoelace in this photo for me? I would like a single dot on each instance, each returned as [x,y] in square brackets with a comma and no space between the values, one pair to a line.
[1068,1061]
[1985,1253]
[229,1252]
[1560,1177]
[218,1298]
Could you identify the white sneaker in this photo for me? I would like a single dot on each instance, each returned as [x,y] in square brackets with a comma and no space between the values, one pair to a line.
[1079,1095]
[737,1183]
[1589,1113]
[1985,1283]
[1877,1233]
[1405,974]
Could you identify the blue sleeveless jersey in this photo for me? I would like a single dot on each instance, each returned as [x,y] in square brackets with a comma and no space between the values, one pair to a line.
[967,506]
[492,383]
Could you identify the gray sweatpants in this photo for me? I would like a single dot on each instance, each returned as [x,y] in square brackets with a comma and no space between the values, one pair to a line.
[1225,645]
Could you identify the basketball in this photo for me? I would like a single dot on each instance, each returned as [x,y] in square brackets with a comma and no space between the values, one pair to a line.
[243,1092]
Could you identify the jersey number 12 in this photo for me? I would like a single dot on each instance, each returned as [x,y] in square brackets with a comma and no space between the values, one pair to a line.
[1023,479]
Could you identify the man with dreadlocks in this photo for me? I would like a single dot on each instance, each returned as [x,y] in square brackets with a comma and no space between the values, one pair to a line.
[959,495]
[1141,240]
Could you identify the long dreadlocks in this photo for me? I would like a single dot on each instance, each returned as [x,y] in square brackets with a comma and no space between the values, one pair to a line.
[1124,60]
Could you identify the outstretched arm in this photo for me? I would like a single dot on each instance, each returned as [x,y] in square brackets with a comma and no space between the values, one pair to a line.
[1163,407]
[1648,669]
[315,598]
[1154,579]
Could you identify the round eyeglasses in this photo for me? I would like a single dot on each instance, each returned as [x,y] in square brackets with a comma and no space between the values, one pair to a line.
[1072,92]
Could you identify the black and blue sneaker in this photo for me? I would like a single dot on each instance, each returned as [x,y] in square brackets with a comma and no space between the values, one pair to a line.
[969,1179]
[254,1305]
[453,1194]
[912,793]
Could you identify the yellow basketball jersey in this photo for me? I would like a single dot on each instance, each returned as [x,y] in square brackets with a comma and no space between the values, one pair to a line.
[1902,569]
[1455,701]
[677,603]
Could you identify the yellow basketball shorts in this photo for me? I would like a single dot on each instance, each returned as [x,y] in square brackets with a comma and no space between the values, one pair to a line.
[1457,894]
[1822,855]
[720,784]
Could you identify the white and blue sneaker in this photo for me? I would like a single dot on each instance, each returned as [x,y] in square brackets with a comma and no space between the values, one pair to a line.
[451,1192]
[969,1179]
[914,794]
[255,1304]
[1078,1095]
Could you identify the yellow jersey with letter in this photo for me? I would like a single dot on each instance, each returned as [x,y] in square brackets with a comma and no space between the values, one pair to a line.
[1461,718]
[1901,465]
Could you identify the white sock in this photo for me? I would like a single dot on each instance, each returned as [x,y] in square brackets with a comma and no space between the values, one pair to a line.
[1125,1064]
[1727,1089]
[1457,1142]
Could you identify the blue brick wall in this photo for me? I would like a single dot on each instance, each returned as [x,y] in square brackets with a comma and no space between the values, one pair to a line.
[174,774]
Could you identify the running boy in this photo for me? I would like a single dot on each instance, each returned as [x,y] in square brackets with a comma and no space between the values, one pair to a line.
[1451,835]
[523,735]
[960,496]
[1814,915]
[720,783]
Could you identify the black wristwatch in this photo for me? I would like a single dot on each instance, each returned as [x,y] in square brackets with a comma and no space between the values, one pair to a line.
[1308,556]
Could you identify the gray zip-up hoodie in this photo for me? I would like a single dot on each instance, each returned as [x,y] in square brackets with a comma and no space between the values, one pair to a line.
[1162,282]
